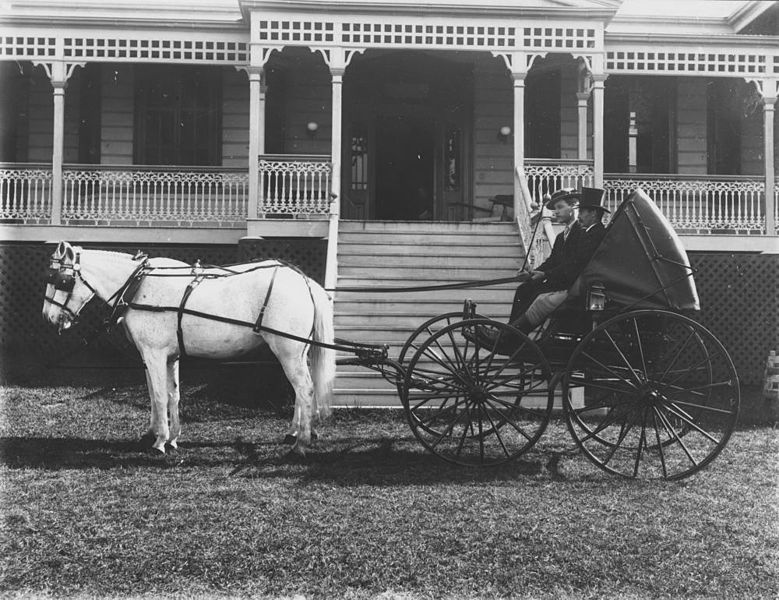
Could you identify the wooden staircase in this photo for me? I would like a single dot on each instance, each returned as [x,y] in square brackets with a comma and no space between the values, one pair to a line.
[398,254]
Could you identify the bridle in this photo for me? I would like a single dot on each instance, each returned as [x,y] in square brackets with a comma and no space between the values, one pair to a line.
[62,276]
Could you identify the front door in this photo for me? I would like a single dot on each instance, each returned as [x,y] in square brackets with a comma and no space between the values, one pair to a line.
[408,123]
[405,166]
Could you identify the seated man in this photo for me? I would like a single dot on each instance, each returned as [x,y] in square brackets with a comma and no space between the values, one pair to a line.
[547,286]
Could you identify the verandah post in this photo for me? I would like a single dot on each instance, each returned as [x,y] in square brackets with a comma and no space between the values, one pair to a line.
[770,90]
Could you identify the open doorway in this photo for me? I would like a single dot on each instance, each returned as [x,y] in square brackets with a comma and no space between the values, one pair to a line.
[405,168]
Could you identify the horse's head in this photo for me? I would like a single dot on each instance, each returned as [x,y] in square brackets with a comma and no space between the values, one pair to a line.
[66,290]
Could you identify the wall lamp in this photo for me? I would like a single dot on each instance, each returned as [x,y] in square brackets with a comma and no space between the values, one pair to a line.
[504,133]
[311,128]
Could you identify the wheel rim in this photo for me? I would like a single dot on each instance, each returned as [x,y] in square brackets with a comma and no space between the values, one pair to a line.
[425,331]
[662,395]
[472,407]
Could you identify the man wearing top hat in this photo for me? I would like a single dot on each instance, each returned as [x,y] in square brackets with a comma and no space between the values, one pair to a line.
[546,287]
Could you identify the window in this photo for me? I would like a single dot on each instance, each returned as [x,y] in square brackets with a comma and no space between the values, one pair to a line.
[178,116]
[725,106]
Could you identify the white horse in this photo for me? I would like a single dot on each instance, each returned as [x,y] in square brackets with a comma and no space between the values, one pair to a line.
[278,295]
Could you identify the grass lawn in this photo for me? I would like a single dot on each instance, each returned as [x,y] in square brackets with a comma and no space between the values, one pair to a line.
[86,513]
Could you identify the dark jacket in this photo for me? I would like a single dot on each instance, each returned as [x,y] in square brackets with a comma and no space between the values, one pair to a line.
[569,257]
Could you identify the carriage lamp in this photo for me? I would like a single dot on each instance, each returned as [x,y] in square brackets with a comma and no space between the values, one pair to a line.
[596,297]
[311,128]
[504,133]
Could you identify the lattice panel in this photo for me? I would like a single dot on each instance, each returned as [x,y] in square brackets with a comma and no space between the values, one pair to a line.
[131,46]
[688,63]
[427,33]
[27,46]
[306,254]
[24,334]
[740,304]
[208,51]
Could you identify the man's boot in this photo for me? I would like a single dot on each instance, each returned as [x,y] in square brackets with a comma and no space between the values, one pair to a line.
[523,324]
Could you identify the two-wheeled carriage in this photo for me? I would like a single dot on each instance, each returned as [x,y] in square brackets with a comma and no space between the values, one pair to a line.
[645,390]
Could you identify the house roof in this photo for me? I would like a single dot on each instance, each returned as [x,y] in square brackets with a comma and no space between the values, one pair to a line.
[623,16]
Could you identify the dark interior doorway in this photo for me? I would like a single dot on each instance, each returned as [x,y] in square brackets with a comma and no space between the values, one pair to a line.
[404,168]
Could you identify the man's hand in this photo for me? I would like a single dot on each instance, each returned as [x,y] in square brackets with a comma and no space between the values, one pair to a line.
[523,275]
[536,275]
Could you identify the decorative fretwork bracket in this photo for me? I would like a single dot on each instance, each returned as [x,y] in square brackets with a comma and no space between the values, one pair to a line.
[767,88]
[58,71]
[519,63]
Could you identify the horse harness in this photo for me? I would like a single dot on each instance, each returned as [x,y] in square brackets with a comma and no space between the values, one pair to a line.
[62,277]
[127,293]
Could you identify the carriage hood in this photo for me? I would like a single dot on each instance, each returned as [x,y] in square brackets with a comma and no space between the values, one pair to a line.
[641,260]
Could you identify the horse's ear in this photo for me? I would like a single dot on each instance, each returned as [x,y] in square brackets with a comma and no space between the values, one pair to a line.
[60,251]
[70,254]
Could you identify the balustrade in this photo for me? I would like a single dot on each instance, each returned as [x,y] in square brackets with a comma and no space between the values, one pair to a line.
[545,175]
[293,184]
[25,192]
[186,195]
[695,203]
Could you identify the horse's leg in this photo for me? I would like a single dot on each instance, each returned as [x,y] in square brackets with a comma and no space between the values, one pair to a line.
[157,377]
[297,373]
[147,439]
[174,395]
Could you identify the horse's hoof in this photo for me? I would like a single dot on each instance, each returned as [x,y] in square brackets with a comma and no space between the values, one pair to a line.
[290,439]
[314,435]
[156,452]
[171,449]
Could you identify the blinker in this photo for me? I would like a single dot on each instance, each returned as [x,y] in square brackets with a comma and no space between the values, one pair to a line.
[61,280]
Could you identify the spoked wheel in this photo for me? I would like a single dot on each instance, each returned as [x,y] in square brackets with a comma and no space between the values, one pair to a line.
[661,395]
[422,333]
[471,406]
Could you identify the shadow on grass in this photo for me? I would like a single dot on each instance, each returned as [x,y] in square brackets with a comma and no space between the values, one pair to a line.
[345,461]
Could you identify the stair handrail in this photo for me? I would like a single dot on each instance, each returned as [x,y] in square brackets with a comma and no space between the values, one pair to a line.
[331,261]
[527,211]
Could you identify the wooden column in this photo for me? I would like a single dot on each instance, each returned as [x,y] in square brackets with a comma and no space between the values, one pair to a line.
[597,128]
[518,77]
[769,102]
[256,138]
[58,71]
[582,99]
[336,145]
[57,151]
[632,143]
[337,63]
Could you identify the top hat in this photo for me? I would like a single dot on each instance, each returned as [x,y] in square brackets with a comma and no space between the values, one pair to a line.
[592,198]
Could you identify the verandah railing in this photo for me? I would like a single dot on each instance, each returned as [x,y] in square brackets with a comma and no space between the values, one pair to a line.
[295,184]
[150,194]
[697,203]
[25,192]
[545,175]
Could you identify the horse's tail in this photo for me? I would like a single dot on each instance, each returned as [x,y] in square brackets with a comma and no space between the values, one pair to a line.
[322,359]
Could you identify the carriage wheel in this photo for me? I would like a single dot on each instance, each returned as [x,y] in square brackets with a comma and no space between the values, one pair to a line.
[423,332]
[661,395]
[428,328]
[472,406]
